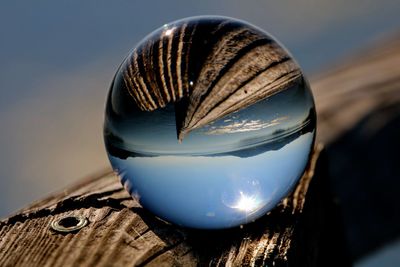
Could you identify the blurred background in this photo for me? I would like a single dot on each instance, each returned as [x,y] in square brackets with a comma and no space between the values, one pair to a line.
[57,59]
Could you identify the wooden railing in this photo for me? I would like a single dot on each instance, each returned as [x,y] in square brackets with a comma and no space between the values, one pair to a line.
[304,230]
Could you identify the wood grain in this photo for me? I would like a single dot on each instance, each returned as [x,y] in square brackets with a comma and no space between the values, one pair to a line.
[299,232]
[358,102]
[208,67]
[357,86]
[121,233]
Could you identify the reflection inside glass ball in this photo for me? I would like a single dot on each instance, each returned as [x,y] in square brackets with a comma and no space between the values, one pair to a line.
[209,122]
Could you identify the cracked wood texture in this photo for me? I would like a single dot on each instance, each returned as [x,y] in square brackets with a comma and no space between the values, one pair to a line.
[302,231]
[121,233]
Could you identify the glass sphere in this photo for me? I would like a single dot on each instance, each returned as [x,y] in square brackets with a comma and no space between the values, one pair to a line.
[209,122]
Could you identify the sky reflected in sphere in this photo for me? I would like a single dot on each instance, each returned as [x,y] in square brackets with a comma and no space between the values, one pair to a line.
[212,135]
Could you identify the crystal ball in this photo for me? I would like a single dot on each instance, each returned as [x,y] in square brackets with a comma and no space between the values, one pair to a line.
[209,122]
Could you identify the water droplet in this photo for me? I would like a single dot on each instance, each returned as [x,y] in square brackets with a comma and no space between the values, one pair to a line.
[209,124]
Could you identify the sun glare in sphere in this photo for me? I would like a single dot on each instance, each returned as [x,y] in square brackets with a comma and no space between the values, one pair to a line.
[247,203]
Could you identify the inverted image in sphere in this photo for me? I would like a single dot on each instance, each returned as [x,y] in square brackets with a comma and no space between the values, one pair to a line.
[209,122]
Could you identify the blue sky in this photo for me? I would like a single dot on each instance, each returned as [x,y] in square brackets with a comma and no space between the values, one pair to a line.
[190,190]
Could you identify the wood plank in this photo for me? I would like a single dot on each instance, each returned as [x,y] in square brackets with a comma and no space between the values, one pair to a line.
[296,233]
[363,144]
[355,87]
[120,232]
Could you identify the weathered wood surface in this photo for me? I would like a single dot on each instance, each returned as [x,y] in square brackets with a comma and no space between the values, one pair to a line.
[121,233]
[359,121]
[355,87]
[198,80]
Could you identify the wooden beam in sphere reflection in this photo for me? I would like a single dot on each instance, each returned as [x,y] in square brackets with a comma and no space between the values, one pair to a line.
[208,71]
